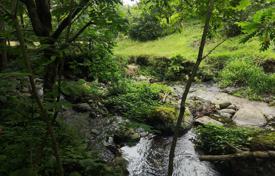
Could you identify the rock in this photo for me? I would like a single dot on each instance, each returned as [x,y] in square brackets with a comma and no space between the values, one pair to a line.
[225,115]
[132,70]
[228,111]
[142,78]
[207,120]
[82,107]
[249,116]
[224,104]
[232,107]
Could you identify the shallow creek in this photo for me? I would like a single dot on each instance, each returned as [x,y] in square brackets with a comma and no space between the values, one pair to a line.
[149,157]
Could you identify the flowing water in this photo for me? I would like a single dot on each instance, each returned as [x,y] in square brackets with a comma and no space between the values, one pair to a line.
[150,158]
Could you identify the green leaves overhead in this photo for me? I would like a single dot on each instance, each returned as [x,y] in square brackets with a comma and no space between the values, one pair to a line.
[262,25]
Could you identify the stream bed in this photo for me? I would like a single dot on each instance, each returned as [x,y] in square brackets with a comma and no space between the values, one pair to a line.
[150,158]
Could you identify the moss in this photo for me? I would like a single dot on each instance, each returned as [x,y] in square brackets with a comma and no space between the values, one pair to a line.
[264,141]
[164,118]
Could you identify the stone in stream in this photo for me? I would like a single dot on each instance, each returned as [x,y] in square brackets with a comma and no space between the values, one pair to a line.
[207,120]
[232,107]
[225,104]
[228,111]
[225,115]
[249,116]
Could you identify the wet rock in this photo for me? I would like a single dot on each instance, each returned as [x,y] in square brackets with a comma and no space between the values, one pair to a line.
[228,111]
[207,120]
[249,117]
[232,107]
[200,107]
[224,105]
[82,107]
[225,115]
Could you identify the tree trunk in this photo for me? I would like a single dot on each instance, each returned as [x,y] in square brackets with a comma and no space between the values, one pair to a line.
[240,155]
[187,87]
[43,112]
[3,51]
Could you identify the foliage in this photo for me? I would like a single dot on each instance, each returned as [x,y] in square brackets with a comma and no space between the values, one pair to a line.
[219,140]
[80,88]
[145,28]
[244,72]
[97,65]
[136,99]
[262,26]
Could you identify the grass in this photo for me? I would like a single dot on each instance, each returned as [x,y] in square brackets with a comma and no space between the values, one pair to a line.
[186,44]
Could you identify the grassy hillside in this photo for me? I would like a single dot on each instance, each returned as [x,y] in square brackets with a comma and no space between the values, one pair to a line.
[186,44]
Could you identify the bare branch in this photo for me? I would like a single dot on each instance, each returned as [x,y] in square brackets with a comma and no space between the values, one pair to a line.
[68,20]
[239,155]
[213,49]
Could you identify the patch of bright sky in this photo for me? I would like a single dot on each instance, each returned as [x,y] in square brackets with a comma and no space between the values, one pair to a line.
[130,2]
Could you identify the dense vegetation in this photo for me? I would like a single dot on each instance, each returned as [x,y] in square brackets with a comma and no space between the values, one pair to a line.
[81,78]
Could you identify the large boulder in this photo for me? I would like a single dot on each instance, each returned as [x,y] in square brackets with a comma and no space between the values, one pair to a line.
[249,116]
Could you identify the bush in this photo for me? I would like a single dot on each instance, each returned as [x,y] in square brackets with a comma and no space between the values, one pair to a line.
[99,66]
[219,140]
[136,100]
[145,28]
[243,73]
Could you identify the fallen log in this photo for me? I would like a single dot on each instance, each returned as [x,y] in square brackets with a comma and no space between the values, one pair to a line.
[239,155]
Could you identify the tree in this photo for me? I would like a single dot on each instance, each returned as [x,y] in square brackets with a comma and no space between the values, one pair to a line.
[56,25]
[188,86]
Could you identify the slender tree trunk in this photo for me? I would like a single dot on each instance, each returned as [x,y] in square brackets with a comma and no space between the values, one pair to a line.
[3,51]
[43,111]
[188,85]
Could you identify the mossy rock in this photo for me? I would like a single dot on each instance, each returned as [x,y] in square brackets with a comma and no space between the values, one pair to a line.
[163,118]
[126,135]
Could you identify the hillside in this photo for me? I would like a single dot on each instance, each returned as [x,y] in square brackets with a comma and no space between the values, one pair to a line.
[186,44]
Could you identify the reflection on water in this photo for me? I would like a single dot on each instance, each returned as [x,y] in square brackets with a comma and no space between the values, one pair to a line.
[150,158]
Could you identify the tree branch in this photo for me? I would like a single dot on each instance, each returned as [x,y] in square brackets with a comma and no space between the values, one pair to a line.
[80,31]
[239,155]
[213,49]
[68,20]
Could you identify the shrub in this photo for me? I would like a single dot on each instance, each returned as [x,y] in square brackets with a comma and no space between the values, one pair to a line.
[136,100]
[145,28]
[219,140]
[99,66]
[81,90]
[243,73]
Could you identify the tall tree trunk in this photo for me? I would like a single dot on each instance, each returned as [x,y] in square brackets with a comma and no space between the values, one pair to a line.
[188,85]
[3,49]
[43,112]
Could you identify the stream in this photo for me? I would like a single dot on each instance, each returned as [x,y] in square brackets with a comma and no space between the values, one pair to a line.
[149,157]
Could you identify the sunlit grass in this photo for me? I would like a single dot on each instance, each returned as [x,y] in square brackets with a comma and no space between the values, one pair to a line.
[186,44]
